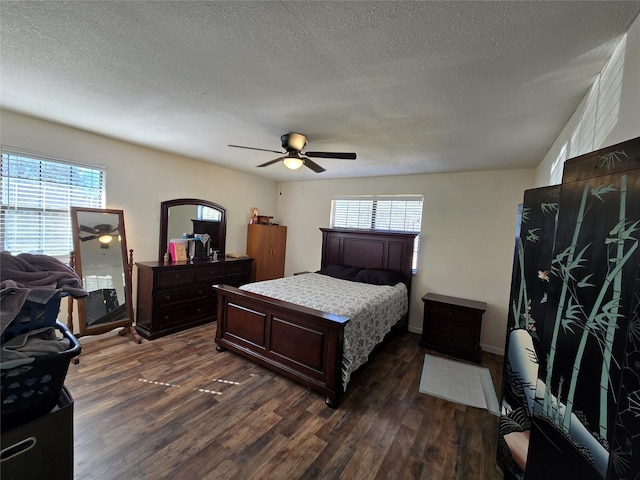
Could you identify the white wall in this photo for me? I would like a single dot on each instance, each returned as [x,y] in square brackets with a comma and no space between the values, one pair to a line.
[139,178]
[608,114]
[468,220]
[468,234]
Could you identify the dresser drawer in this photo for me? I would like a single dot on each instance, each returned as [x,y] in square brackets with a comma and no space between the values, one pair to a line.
[170,317]
[175,277]
[183,294]
[445,313]
[210,272]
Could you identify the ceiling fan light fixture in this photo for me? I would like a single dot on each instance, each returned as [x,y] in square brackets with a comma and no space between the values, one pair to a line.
[293,141]
[293,163]
[294,158]
[105,239]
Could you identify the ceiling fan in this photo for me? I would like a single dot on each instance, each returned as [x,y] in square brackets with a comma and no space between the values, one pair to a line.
[293,158]
[102,232]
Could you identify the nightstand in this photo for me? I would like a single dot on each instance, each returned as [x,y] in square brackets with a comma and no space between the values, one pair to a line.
[452,325]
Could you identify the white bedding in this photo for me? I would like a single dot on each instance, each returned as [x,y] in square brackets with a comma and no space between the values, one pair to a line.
[372,309]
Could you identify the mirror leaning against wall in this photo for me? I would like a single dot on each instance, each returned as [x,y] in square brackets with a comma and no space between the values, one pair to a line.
[102,261]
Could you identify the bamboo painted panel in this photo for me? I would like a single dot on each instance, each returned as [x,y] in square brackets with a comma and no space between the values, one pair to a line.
[589,312]
[625,447]
[525,325]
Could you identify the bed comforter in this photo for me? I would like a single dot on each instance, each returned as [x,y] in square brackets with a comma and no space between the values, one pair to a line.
[372,309]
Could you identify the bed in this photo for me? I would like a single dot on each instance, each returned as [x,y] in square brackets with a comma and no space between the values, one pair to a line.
[308,344]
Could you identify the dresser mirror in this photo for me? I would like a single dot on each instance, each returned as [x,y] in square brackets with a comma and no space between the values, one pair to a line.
[191,215]
[102,261]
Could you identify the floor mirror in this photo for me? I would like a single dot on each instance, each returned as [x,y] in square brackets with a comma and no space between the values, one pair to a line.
[104,264]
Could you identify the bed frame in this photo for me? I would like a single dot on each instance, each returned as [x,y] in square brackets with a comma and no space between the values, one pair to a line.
[302,343]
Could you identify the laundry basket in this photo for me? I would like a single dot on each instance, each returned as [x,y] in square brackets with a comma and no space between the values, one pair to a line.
[32,316]
[32,390]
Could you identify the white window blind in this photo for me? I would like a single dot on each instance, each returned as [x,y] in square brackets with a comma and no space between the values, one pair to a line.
[380,213]
[208,213]
[36,194]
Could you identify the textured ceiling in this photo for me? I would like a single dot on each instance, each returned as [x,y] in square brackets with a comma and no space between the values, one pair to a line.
[411,87]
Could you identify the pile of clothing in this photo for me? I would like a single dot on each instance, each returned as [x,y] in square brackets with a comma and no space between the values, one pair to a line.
[38,279]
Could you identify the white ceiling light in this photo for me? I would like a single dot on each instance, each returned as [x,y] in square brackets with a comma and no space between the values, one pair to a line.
[105,239]
[293,162]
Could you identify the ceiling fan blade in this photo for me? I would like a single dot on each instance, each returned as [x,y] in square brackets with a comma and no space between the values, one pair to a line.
[254,148]
[338,155]
[272,162]
[313,165]
[84,228]
[104,228]
[90,237]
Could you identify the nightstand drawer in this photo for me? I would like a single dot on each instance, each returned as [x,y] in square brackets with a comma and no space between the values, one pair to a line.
[238,268]
[455,335]
[445,313]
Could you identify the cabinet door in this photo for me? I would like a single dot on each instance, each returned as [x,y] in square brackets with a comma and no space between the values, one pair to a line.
[267,245]
[275,252]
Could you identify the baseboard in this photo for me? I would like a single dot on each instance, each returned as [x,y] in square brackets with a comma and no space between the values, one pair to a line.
[483,347]
[492,349]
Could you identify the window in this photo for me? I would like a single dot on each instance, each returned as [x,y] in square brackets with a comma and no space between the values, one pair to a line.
[380,213]
[36,193]
[208,213]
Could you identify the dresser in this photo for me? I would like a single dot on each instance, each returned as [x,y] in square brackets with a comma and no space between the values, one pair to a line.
[177,296]
[452,325]
[266,244]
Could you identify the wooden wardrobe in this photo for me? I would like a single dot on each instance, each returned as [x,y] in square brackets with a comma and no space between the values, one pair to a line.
[266,244]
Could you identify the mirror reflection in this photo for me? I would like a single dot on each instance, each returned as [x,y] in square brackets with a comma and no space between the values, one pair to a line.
[102,264]
[193,216]
[102,267]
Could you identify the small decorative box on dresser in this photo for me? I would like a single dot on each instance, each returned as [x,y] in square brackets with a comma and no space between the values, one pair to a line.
[452,325]
[177,296]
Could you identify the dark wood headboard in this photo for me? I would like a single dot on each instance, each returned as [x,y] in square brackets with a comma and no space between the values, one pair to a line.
[376,249]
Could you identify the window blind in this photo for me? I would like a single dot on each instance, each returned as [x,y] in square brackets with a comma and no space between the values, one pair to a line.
[36,194]
[380,213]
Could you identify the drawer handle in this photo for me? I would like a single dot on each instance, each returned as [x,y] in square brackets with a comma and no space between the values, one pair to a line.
[16,449]
[167,297]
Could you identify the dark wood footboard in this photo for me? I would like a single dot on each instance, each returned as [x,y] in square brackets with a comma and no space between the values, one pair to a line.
[301,343]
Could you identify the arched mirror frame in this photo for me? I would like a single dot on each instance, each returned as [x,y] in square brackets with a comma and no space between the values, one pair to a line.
[164,223]
[127,259]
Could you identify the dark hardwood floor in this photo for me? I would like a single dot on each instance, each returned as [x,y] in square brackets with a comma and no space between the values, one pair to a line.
[175,408]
